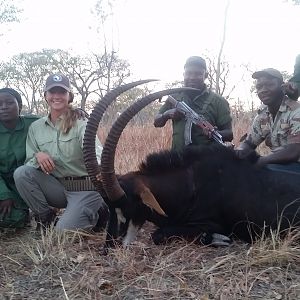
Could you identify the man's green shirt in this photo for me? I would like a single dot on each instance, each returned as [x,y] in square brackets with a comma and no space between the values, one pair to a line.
[12,154]
[212,106]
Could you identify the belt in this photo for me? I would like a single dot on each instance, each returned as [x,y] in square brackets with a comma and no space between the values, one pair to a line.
[77,184]
[76,178]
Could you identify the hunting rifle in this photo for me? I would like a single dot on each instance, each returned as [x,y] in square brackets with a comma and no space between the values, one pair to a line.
[191,118]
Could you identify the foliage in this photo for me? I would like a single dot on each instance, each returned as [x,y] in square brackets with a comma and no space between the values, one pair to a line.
[8,12]
[26,72]
[96,73]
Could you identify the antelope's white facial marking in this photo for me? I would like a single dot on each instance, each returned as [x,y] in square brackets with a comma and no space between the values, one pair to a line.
[120,216]
[130,236]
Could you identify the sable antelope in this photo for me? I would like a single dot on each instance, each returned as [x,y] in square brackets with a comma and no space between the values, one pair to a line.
[194,193]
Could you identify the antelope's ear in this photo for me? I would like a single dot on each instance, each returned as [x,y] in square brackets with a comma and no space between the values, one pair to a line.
[148,198]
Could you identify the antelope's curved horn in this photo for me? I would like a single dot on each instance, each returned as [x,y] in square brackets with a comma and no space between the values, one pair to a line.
[109,180]
[89,151]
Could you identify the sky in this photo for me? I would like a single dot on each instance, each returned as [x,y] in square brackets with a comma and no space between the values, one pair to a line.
[156,36]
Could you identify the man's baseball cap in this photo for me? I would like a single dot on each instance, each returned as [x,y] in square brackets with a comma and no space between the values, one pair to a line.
[268,72]
[195,61]
[57,80]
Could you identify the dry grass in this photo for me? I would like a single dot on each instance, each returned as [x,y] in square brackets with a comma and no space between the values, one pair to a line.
[69,266]
[138,141]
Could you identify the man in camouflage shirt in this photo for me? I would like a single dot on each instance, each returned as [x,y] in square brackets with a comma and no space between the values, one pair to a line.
[278,124]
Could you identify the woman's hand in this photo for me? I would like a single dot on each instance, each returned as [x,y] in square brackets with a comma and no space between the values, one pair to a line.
[45,162]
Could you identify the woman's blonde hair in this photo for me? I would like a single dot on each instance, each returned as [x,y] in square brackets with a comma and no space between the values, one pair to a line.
[70,116]
[69,119]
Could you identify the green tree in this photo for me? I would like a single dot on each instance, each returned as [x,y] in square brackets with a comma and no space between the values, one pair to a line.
[92,74]
[89,74]
[26,72]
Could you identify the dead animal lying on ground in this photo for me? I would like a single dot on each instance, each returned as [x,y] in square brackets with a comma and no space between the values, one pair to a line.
[194,194]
